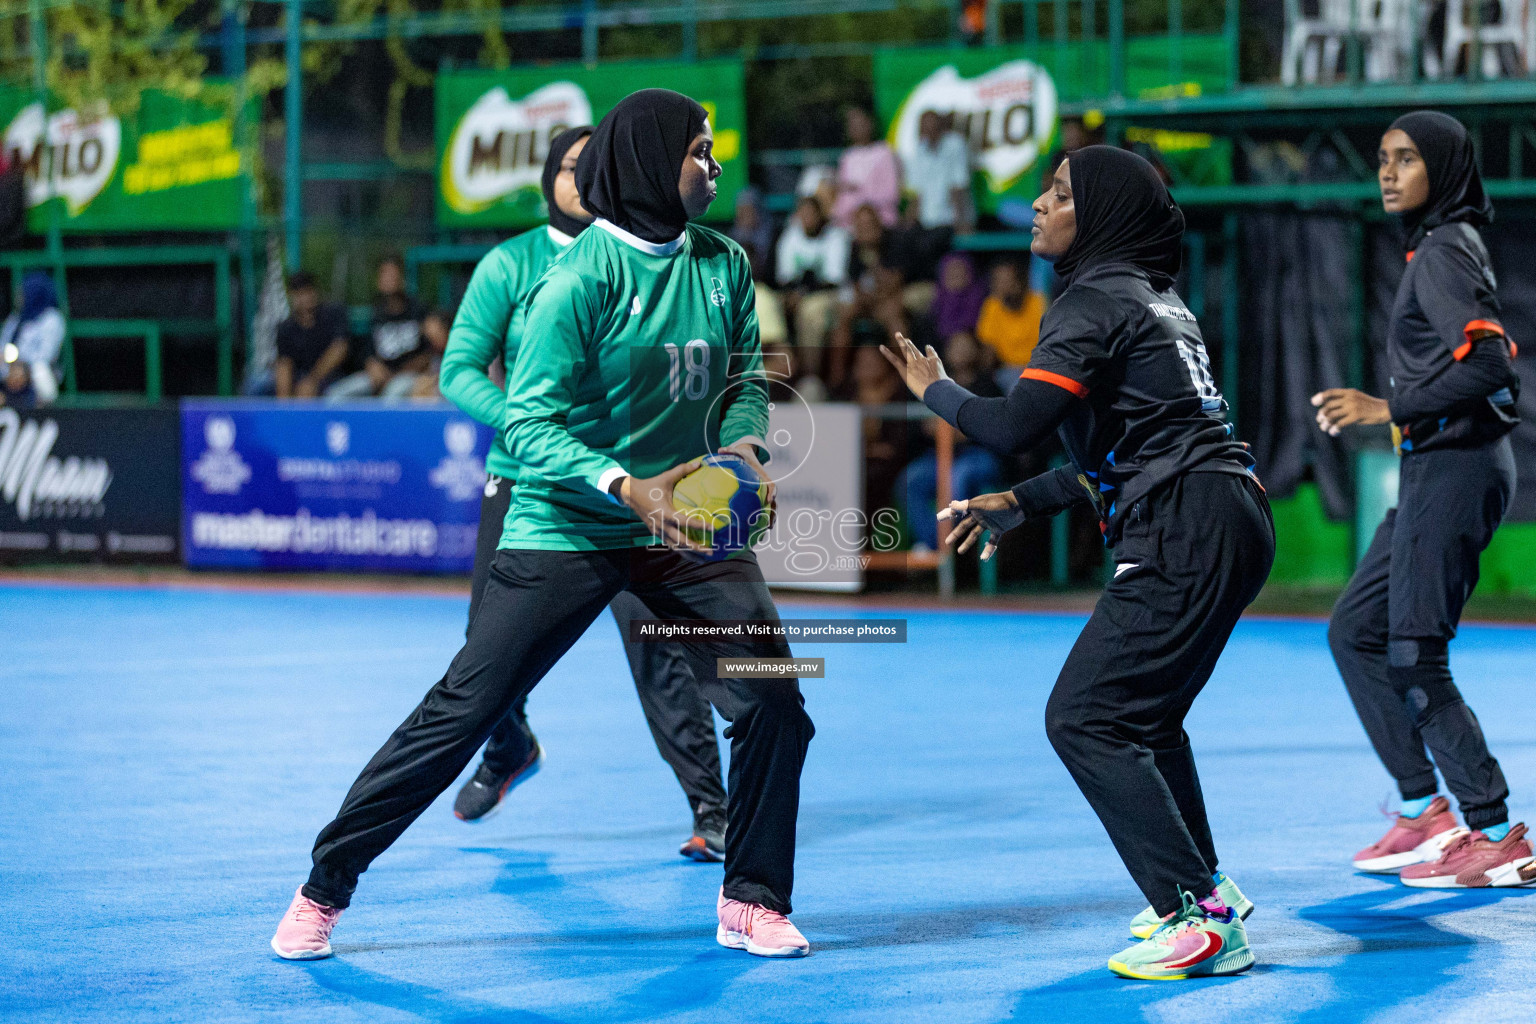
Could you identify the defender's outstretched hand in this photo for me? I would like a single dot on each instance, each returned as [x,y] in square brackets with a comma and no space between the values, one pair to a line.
[988,515]
[917,369]
[651,499]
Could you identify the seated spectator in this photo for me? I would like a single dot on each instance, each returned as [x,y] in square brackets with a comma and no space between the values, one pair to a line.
[819,180]
[311,343]
[973,470]
[812,263]
[1010,319]
[399,353]
[867,173]
[957,299]
[889,442]
[753,231]
[32,341]
[971,364]
[434,332]
[877,290]
[938,173]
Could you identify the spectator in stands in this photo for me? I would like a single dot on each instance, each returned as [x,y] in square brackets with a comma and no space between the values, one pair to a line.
[812,264]
[434,333]
[871,297]
[311,343]
[958,298]
[1010,319]
[973,469]
[971,364]
[889,441]
[867,173]
[753,231]
[819,180]
[398,352]
[32,341]
[938,173]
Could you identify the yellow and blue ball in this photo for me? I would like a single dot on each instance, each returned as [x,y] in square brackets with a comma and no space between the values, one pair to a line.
[725,504]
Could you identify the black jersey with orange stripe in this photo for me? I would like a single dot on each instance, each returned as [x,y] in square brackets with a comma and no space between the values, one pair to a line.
[1150,407]
[1446,303]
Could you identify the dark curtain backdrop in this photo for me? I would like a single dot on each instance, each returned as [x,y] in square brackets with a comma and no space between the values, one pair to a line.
[1296,319]
[1297,269]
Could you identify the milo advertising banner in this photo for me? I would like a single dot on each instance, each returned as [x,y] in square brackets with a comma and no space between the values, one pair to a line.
[494,128]
[1006,100]
[172,164]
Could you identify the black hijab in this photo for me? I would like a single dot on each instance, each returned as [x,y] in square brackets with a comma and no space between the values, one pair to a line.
[1455,187]
[628,173]
[559,146]
[1124,215]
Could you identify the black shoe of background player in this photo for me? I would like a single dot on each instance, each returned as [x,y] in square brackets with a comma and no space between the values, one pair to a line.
[483,794]
[707,843]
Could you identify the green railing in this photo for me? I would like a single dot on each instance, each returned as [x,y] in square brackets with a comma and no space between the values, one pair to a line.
[149,330]
[221,326]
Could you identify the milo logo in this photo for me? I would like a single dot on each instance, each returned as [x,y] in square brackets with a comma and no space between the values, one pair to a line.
[1008,115]
[67,155]
[499,146]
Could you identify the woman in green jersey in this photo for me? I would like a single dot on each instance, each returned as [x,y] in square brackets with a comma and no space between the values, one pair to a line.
[639,355]
[489,326]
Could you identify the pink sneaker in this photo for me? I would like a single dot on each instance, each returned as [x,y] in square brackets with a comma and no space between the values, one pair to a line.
[1411,840]
[758,930]
[304,933]
[1473,861]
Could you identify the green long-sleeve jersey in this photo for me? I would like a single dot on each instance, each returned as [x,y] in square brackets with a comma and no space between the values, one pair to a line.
[490,324]
[635,357]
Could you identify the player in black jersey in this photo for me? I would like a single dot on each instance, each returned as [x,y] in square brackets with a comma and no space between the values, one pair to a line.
[1452,406]
[1121,373]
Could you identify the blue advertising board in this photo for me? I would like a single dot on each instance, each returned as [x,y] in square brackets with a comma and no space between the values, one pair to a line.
[309,486]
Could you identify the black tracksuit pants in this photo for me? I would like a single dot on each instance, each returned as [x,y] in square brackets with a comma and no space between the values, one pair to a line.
[536,604]
[1192,555]
[1392,625]
[675,708]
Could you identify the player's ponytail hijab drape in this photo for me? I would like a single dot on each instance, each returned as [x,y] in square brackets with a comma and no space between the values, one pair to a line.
[628,173]
[1124,215]
[1455,186]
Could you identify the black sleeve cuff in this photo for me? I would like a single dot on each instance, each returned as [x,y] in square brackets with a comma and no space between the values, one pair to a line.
[1050,492]
[945,398]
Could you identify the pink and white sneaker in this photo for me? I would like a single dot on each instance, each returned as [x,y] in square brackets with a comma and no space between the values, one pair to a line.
[304,933]
[758,930]
[1473,861]
[1411,840]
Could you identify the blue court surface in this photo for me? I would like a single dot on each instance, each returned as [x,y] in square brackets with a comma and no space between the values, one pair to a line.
[167,755]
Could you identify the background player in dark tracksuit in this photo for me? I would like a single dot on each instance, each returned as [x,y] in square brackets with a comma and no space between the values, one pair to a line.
[1452,407]
[489,326]
[1122,371]
[640,355]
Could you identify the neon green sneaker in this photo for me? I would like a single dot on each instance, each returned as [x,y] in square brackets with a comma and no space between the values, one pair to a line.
[1203,940]
[1147,922]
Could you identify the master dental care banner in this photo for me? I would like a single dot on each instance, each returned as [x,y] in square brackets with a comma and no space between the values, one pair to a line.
[171,163]
[494,127]
[1006,100]
[296,486]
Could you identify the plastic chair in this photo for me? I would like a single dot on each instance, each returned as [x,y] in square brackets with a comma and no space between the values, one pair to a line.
[1384,29]
[1505,41]
[1313,45]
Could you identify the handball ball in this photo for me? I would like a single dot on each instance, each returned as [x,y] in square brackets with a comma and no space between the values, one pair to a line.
[725,504]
